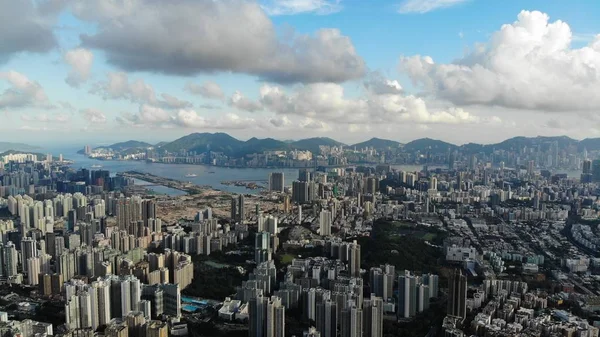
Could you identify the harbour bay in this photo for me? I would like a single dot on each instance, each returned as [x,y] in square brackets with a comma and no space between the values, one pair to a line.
[202,175]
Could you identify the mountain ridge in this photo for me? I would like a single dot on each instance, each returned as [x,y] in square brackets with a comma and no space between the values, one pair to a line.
[223,142]
[313,144]
[429,144]
[127,145]
[377,143]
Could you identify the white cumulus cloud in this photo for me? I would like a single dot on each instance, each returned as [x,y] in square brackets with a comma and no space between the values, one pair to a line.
[22,92]
[149,116]
[118,86]
[280,121]
[208,89]
[314,125]
[80,60]
[239,101]
[93,116]
[377,84]
[382,103]
[188,37]
[528,64]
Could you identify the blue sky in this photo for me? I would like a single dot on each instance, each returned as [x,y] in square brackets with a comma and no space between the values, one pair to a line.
[461,71]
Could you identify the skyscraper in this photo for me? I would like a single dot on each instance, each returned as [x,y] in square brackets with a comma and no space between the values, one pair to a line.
[460,179]
[78,311]
[241,212]
[128,210]
[407,296]
[373,317]
[86,233]
[423,297]
[71,220]
[372,185]
[300,192]
[586,175]
[100,293]
[457,294]
[351,320]
[275,324]
[587,166]
[256,315]
[382,281]
[148,211]
[596,170]
[432,281]
[270,225]
[555,154]
[205,214]
[262,249]
[260,223]
[267,317]
[11,259]
[304,175]
[472,162]
[33,268]
[171,299]
[234,208]
[433,182]
[66,265]
[276,182]
[354,259]
[126,293]
[451,160]
[28,250]
[325,223]
[326,318]
[287,207]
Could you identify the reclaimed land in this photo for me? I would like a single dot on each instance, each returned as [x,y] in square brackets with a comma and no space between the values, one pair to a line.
[171,183]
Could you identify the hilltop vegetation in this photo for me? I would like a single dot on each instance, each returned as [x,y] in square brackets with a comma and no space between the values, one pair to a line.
[377,143]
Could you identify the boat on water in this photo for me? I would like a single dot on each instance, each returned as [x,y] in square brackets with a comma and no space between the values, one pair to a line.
[191,175]
[96,166]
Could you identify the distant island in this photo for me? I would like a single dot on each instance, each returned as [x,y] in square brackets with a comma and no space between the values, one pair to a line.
[7,146]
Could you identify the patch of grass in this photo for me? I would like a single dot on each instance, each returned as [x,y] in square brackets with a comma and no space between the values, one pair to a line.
[287,258]
[211,282]
[429,236]
[407,251]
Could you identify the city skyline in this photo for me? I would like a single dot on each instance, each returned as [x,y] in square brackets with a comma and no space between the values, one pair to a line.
[298,69]
[66,144]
